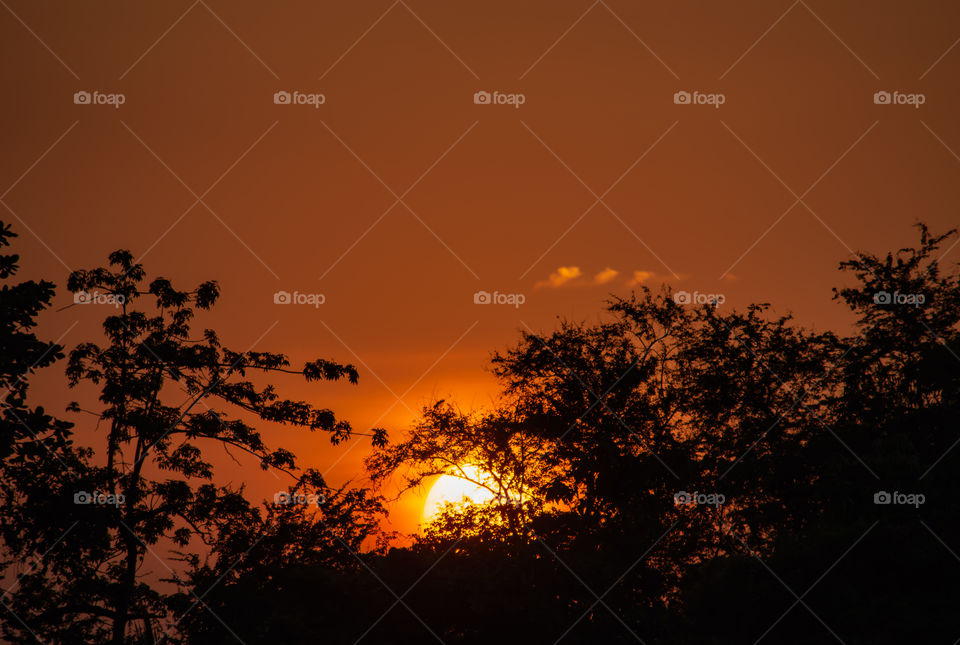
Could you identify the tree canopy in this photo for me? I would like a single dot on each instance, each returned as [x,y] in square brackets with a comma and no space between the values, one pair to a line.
[673,473]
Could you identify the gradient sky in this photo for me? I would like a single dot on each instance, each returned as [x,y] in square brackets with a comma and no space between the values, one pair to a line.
[399,197]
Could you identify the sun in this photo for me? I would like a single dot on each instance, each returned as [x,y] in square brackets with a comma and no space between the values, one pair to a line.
[453,488]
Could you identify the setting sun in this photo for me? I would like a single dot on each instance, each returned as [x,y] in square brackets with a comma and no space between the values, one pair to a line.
[455,487]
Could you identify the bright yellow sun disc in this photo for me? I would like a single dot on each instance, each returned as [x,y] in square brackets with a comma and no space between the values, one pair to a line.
[451,488]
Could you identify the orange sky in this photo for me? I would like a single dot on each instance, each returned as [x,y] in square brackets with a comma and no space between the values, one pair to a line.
[398,198]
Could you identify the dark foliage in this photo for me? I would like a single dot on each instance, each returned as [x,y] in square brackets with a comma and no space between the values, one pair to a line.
[84,525]
[675,474]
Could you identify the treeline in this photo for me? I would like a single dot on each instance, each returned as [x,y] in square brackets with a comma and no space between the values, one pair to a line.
[678,473]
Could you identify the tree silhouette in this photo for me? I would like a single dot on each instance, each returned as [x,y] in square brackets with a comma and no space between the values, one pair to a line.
[672,474]
[491,451]
[850,569]
[152,484]
[35,448]
[796,430]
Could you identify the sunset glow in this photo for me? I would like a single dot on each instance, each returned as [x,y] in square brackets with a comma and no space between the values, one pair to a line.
[422,321]
[455,488]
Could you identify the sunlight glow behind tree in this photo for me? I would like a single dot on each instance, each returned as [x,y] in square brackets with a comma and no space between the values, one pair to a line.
[464,483]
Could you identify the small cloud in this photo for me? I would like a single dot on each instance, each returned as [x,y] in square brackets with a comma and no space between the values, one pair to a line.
[730,277]
[561,276]
[640,276]
[605,276]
